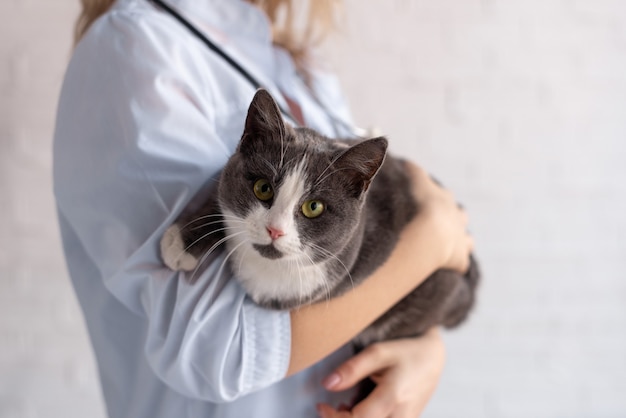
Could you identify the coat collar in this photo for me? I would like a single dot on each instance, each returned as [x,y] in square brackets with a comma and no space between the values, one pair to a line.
[243,31]
[235,18]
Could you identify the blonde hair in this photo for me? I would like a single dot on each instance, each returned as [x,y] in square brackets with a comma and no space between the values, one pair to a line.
[90,11]
[297,25]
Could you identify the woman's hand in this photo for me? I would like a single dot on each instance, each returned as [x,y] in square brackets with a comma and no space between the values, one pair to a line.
[405,371]
[444,218]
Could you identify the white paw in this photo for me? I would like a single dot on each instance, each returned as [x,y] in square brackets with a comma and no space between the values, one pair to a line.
[173,251]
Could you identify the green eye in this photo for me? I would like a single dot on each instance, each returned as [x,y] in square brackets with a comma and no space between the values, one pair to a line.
[312,208]
[263,190]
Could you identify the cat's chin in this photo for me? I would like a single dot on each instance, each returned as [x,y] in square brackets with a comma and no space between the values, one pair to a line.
[283,283]
[268,251]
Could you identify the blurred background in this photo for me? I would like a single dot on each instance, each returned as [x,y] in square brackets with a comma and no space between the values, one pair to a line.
[518,106]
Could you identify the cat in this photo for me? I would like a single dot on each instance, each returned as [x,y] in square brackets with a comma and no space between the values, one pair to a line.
[305,218]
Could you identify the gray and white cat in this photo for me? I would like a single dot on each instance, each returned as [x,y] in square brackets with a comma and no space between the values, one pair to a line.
[305,218]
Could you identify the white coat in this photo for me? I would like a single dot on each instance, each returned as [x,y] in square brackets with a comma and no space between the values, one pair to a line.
[147,117]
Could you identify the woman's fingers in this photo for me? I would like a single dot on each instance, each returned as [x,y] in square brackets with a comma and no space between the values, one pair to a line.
[327,411]
[406,372]
[369,361]
[380,403]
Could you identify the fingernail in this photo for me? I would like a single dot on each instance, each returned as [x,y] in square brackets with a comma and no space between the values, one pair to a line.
[331,381]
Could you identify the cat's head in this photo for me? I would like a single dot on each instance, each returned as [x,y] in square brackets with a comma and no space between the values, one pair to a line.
[291,194]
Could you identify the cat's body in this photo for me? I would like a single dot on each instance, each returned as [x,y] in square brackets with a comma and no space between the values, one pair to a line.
[305,218]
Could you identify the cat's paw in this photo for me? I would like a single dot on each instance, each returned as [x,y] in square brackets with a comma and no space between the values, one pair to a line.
[173,251]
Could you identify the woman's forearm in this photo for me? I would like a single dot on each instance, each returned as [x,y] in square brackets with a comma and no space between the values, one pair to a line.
[319,329]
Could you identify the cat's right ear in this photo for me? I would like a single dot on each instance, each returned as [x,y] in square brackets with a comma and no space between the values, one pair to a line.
[360,163]
[264,124]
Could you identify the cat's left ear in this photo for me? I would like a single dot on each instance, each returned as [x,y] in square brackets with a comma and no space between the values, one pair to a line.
[360,163]
[264,124]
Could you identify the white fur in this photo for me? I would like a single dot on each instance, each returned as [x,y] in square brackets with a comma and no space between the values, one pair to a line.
[292,276]
[173,251]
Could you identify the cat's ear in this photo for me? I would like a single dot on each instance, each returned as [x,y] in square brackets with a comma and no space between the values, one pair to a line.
[360,163]
[264,124]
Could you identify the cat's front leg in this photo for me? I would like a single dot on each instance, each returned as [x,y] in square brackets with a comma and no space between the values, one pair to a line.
[174,250]
[187,241]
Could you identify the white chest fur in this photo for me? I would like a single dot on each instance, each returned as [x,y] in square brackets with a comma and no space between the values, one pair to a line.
[283,278]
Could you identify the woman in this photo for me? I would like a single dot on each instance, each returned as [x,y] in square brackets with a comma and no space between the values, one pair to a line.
[148,115]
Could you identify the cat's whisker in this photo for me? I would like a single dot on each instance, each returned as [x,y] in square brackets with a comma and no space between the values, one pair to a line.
[210,251]
[283,148]
[317,180]
[203,225]
[310,293]
[327,286]
[206,235]
[323,275]
[219,272]
[242,257]
[296,159]
[270,165]
[321,179]
[221,215]
[213,223]
[232,218]
[331,173]
[300,281]
[324,251]
[185,250]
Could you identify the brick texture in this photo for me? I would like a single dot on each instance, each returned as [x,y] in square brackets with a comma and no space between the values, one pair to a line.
[519,107]
[46,364]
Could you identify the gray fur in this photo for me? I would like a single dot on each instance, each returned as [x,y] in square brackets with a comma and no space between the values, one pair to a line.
[368,202]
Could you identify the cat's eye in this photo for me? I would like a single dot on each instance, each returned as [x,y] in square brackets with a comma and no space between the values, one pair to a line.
[312,208]
[263,190]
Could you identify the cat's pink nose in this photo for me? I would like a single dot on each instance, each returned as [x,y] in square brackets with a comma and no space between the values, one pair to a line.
[274,233]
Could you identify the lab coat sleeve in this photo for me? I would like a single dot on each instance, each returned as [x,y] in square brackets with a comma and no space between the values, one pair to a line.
[135,141]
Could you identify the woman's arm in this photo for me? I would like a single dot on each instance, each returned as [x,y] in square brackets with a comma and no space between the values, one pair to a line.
[437,238]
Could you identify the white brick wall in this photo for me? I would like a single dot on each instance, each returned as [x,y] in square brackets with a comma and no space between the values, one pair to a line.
[46,366]
[519,106]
